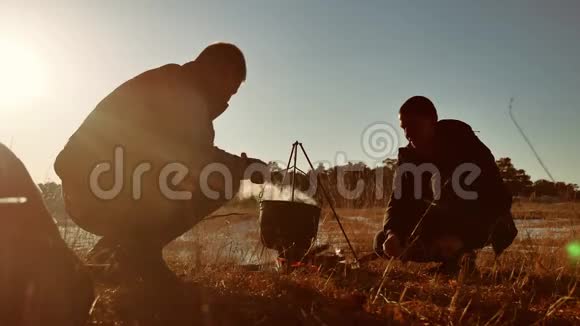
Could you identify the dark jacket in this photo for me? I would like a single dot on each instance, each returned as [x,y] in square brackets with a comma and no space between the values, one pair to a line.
[455,145]
[161,116]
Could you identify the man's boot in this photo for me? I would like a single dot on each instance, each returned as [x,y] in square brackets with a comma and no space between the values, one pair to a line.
[130,261]
[463,262]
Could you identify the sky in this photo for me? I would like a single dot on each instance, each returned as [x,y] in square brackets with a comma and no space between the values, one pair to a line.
[320,72]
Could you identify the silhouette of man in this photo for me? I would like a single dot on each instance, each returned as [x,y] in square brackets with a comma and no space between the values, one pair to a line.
[449,198]
[152,124]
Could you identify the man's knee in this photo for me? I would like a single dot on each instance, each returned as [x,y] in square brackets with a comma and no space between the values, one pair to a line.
[448,247]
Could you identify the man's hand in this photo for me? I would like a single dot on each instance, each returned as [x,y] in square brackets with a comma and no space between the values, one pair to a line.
[392,246]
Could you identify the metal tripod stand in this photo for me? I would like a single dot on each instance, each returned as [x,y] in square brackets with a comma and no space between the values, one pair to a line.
[293,157]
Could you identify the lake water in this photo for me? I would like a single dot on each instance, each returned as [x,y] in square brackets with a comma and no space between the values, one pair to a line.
[238,242]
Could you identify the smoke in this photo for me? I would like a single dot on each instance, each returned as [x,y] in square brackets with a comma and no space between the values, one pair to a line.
[272,192]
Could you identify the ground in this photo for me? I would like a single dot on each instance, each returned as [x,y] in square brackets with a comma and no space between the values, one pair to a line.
[226,279]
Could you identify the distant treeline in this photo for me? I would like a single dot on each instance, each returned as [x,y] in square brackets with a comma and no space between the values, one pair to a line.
[354,185]
[341,185]
[378,183]
[521,185]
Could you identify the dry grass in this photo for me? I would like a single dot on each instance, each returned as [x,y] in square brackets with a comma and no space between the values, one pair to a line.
[533,282]
[531,210]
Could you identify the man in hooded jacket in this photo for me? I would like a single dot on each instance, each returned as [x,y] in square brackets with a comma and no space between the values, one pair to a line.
[142,169]
[449,198]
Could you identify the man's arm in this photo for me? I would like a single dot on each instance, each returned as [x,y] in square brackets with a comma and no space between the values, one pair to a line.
[403,210]
[206,153]
[492,187]
[489,185]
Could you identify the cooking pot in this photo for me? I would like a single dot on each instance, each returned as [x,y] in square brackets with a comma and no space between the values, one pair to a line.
[286,224]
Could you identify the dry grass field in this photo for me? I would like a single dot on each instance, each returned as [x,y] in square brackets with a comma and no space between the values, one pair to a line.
[227,278]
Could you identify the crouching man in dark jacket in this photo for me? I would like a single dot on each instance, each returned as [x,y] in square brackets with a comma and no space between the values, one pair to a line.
[143,169]
[448,197]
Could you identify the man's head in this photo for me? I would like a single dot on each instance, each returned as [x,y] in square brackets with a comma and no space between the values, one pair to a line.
[224,69]
[418,118]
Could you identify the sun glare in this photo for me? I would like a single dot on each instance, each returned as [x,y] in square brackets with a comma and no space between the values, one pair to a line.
[22,74]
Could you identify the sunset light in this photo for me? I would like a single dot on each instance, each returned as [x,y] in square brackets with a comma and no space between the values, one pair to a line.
[22,74]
